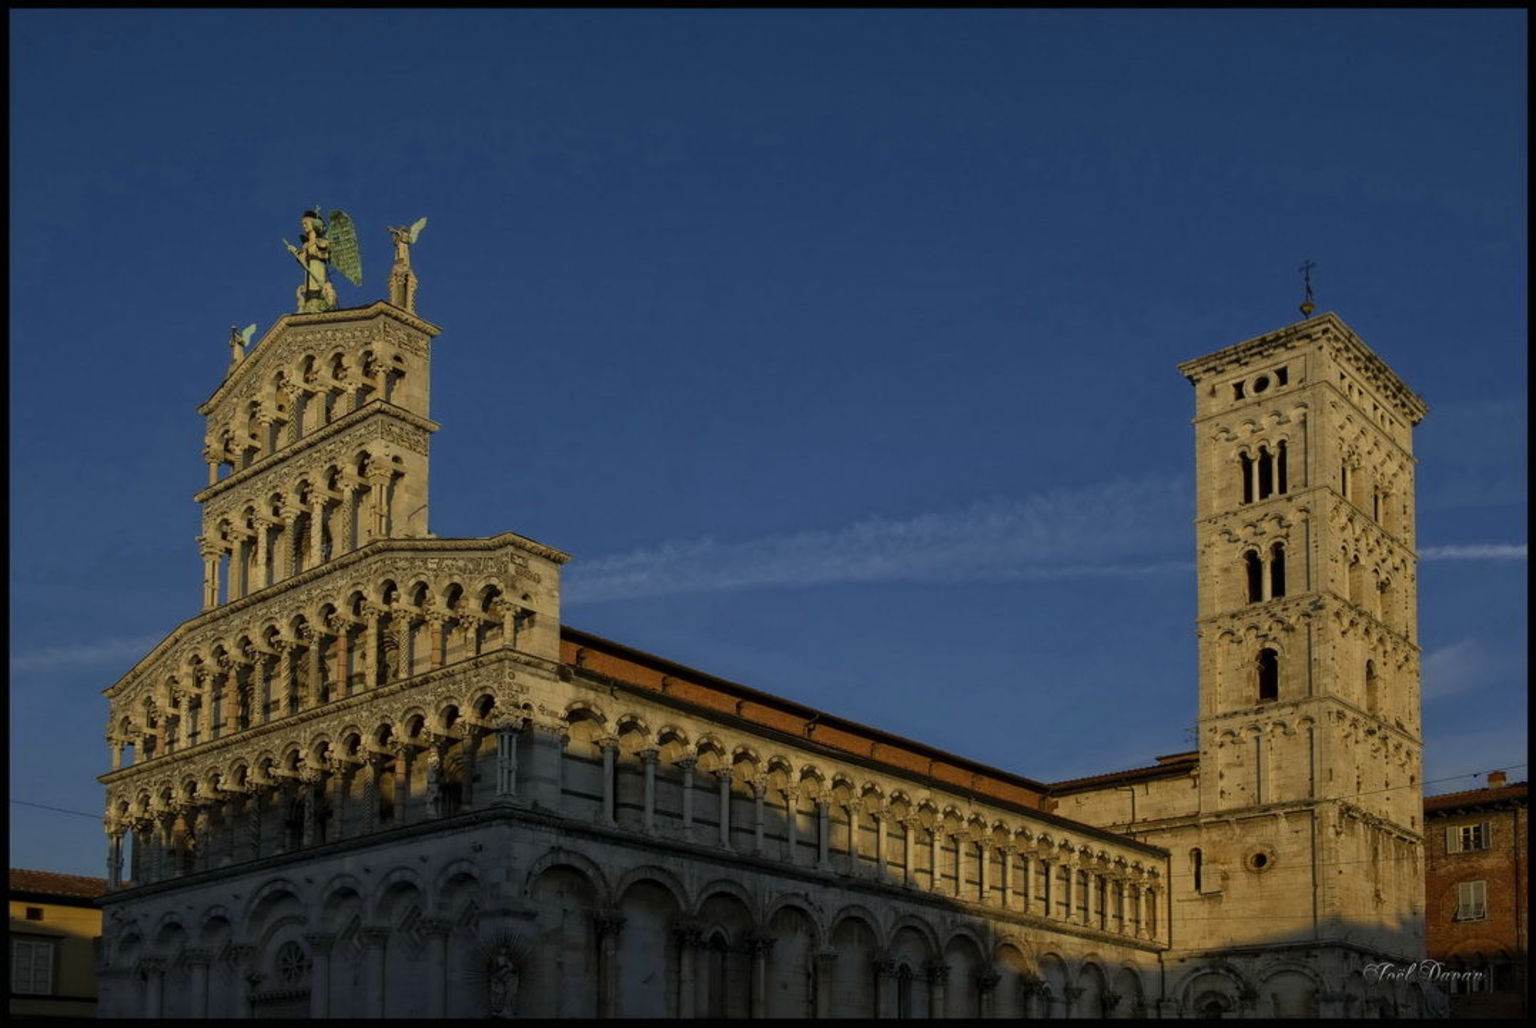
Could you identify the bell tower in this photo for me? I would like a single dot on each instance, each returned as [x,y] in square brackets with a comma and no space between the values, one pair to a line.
[1308,648]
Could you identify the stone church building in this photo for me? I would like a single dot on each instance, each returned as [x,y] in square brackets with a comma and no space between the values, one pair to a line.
[377,776]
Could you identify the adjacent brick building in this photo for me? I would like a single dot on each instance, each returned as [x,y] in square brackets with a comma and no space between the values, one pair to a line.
[1475,891]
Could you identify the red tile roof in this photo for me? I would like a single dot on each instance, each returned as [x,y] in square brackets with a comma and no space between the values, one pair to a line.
[47,883]
[1474,797]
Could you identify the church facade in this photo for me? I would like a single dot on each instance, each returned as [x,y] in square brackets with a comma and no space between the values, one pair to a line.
[378,776]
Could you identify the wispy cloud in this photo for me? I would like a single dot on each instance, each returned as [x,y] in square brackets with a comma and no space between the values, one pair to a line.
[1475,551]
[65,658]
[1461,667]
[1113,529]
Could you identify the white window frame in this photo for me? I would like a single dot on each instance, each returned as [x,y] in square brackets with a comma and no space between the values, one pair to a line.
[1472,901]
[38,956]
[1469,838]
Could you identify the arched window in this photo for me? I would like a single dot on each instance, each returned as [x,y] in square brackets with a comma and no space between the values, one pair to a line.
[1280,476]
[1246,467]
[1255,569]
[1269,675]
[1197,867]
[1266,473]
[1277,570]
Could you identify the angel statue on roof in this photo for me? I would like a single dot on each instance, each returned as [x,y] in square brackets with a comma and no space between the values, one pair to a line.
[323,243]
[402,280]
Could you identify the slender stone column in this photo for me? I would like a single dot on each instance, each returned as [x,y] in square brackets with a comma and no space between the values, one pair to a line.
[374,939]
[378,475]
[854,809]
[210,551]
[242,958]
[309,782]
[823,981]
[984,856]
[114,857]
[153,970]
[371,662]
[610,748]
[688,938]
[370,773]
[1006,883]
[1068,890]
[1120,918]
[760,946]
[879,818]
[506,761]
[472,736]
[197,970]
[885,972]
[402,754]
[648,759]
[316,531]
[549,748]
[938,976]
[607,924]
[822,863]
[436,932]
[336,778]
[907,854]
[936,877]
[791,826]
[687,764]
[986,988]
[263,528]
[1140,908]
[724,774]
[759,790]
[1090,884]
[320,946]
[253,821]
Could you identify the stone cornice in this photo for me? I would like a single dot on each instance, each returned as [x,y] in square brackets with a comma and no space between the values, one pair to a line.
[287,321]
[335,429]
[1327,328]
[376,549]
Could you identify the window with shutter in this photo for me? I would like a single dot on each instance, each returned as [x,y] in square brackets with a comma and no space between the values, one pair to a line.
[1471,901]
[31,967]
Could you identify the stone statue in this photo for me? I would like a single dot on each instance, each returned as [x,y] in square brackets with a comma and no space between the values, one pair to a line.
[402,280]
[313,253]
[325,243]
[504,979]
[239,339]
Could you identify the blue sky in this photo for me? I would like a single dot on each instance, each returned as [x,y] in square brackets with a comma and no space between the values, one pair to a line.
[837,346]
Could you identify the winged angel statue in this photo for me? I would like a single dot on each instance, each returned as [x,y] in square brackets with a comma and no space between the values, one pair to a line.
[239,339]
[402,280]
[322,244]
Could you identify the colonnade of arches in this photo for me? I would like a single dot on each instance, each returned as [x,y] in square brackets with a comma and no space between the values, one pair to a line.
[568,938]
[471,751]
[320,514]
[293,401]
[273,668]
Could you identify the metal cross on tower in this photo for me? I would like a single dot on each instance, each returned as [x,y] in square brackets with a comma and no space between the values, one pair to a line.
[1307,306]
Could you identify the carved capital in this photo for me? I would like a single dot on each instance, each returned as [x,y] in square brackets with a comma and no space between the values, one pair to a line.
[199,957]
[938,972]
[760,945]
[987,980]
[320,942]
